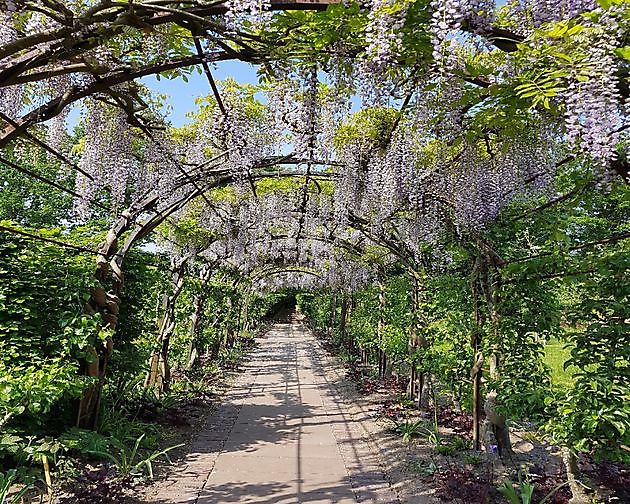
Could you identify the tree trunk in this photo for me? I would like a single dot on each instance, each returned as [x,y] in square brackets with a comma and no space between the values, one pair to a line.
[345,303]
[228,334]
[107,304]
[240,300]
[579,495]
[416,338]
[411,347]
[333,314]
[426,392]
[382,356]
[412,385]
[495,429]
[199,304]
[159,375]
[475,375]
[476,371]
[245,313]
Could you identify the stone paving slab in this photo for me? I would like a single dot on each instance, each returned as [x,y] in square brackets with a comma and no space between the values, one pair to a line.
[282,435]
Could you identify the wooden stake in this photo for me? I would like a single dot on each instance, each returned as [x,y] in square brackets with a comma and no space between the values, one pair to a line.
[49,486]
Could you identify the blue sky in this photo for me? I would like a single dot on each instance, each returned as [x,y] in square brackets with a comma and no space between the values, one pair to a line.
[182,94]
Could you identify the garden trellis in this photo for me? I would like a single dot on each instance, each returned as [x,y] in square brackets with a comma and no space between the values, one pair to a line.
[426,139]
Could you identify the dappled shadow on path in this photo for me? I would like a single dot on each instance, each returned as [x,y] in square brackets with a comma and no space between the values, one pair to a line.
[282,437]
[274,493]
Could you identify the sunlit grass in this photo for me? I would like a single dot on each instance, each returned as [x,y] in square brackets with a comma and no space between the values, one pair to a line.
[555,356]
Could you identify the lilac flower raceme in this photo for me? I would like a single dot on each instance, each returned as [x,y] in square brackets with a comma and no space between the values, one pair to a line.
[593,107]
[239,9]
[384,31]
[106,156]
[11,97]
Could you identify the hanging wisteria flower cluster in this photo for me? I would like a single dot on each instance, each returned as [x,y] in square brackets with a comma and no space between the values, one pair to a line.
[38,22]
[162,171]
[592,99]
[422,174]
[479,186]
[446,23]
[242,128]
[106,157]
[274,236]
[306,115]
[306,122]
[529,14]
[384,33]
[252,10]
[11,97]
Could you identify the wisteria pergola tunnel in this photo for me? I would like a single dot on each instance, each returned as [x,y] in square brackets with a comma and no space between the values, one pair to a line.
[469,154]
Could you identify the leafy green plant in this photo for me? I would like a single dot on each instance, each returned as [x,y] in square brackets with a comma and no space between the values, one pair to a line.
[408,429]
[44,331]
[23,449]
[523,493]
[7,480]
[405,402]
[120,424]
[472,459]
[130,463]
[521,496]
[459,443]
[445,449]
[85,441]
[424,467]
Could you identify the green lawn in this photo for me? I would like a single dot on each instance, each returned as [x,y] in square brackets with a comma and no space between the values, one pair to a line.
[555,357]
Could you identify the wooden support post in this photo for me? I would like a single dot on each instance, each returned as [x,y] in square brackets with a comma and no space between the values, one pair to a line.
[345,304]
[476,371]
[476,400]
[333,314]
[47,477]
[196,318]
[416,339]
[382,356]
[159,374]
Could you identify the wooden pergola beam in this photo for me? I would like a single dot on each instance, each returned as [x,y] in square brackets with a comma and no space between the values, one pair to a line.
[27,67]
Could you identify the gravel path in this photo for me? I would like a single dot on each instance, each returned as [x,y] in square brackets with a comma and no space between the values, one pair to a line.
[281,435]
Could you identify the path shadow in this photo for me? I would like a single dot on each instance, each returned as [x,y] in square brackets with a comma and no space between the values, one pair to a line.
[271,416]
[274,493]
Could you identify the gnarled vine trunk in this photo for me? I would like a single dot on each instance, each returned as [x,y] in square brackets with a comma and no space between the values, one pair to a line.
[109,269]
[343,322]
[199,304]
[475,376]
[495,430]
[228,335]
[333,313]
[244,324]
[382,356]
[417,340]
[578,493]
[476,371]
[159,375]
[106,303]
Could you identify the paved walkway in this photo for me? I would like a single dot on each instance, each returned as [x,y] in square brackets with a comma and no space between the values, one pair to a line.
[281,436]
